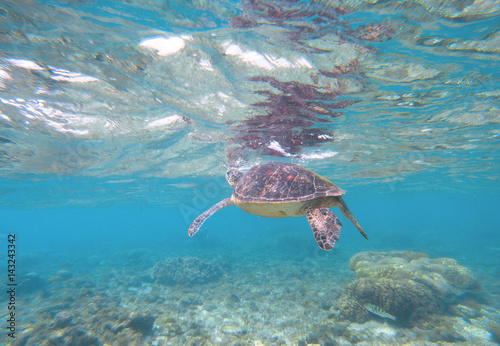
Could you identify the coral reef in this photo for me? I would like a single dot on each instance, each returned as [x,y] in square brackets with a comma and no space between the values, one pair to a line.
[186,271]
[408,285]
[432,300]
[347,308]
[405,299]
[262,301]
[443,276]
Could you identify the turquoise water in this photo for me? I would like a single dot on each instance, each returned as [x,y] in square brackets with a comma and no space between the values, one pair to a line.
[119,119]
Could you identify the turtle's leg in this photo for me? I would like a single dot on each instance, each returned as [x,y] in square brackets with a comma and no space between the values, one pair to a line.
[347,213]
[195,226]
[325,225]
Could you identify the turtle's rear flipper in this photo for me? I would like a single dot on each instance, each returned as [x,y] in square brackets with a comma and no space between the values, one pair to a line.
[347,213]
[325,225]
[195,226]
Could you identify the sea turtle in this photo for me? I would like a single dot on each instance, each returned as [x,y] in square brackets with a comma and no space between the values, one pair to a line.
[278,189]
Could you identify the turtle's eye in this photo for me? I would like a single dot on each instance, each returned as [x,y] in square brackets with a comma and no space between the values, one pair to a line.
[324,211]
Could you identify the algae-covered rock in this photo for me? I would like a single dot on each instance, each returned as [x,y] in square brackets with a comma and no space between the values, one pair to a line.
[329,297]
[62,319]
[330,329]
[370,331]
[141,322]
[72,336]
[31,282]
[191,301]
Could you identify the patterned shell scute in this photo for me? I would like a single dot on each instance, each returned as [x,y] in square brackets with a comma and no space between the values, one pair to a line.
[278,182]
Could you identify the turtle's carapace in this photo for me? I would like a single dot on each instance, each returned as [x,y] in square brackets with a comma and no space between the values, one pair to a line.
[278,189]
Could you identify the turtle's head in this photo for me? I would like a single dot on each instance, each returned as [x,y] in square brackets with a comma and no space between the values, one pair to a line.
[232,176]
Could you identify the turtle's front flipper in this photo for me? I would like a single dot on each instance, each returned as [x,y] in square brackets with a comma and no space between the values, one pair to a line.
[195,226]
[325,225]
[347,213]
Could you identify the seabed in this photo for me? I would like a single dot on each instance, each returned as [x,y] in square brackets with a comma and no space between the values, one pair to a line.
[139,298]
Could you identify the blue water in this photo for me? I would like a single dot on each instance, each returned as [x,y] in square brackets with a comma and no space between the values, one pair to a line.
[118,121]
